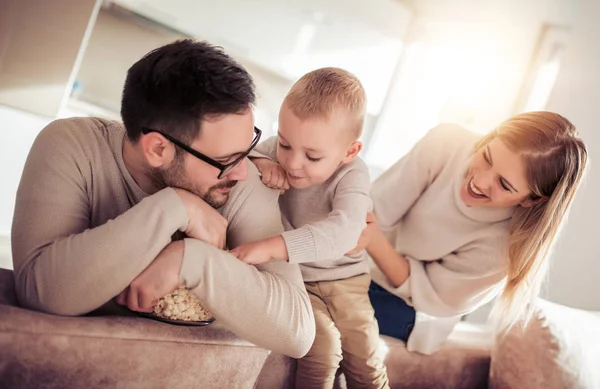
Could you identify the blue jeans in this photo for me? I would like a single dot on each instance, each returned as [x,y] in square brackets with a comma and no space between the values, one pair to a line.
[395,317]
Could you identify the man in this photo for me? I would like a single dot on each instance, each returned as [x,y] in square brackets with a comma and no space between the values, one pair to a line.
[99,202]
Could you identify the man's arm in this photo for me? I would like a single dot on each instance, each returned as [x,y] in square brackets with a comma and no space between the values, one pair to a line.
[265,304]
[63,266]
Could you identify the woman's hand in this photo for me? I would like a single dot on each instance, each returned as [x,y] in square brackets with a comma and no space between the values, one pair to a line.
[367,235]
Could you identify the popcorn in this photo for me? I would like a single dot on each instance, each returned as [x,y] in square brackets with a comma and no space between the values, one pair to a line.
[181,305]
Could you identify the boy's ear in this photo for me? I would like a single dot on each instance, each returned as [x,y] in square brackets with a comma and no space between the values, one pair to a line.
[157,150]
[352,151]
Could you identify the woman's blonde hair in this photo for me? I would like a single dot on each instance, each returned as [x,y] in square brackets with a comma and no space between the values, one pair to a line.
[555,158]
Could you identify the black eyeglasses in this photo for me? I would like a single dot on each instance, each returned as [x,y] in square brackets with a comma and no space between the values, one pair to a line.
[225,169]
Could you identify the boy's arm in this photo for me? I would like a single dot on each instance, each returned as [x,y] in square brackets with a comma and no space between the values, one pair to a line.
[339,232]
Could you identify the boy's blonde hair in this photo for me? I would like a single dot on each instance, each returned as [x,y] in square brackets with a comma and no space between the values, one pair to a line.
[323,92]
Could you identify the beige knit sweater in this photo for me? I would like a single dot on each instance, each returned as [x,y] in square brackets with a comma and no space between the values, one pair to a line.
[457,254]
[83,230]
[322,223]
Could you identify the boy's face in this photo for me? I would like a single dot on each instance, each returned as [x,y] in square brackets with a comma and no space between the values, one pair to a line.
[311,150]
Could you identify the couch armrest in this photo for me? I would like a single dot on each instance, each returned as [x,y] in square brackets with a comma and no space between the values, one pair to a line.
[560,348]
[98,351]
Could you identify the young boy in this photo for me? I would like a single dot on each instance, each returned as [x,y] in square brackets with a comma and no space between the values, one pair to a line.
[324,205]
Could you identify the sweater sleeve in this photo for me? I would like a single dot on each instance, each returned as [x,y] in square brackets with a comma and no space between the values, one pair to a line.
[461,281]
[399,187]
[63,266]
[266,149]
[339,232]
[265,304]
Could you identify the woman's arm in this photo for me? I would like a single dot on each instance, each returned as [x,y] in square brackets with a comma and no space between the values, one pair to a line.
[393,265]
[453,285]
[401,186]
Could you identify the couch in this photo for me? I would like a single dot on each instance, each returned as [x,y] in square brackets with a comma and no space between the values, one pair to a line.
[114,348]
[105,350]
[559,349]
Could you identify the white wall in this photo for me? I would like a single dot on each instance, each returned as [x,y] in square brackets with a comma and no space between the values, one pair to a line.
[510,30]
[575,275]
[5,253]
[117,42]
[40,43]
[465,62]
[575,264]
[19,129]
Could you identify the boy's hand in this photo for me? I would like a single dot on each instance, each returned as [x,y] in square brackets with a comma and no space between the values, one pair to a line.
[255,253]
[273,175]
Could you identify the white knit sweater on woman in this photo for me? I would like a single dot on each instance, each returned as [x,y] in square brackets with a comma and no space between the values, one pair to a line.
[457,254]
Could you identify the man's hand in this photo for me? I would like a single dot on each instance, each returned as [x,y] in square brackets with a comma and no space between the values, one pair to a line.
[367,234]
[158,279]
[261,251]
[205,223]
[273,175]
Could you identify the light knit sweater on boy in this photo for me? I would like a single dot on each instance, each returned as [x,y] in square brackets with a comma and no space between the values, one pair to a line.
[457,254]
[324,222]
[83,230]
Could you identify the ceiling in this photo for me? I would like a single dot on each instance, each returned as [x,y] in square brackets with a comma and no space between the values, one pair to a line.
[560,12]
[291,37]
[270,32]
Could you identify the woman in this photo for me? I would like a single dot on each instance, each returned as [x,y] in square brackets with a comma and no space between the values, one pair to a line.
[462,218]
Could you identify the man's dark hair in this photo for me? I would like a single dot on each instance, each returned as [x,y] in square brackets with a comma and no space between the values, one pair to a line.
[175,86]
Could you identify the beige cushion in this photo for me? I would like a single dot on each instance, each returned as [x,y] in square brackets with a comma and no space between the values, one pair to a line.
[559,349]
[463,362]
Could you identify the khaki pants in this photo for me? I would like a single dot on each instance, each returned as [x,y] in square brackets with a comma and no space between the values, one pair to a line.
[347,335]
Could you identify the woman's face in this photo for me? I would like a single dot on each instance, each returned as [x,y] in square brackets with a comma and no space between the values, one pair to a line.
[496,177]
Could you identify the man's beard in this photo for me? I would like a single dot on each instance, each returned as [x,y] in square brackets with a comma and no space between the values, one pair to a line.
[174,177]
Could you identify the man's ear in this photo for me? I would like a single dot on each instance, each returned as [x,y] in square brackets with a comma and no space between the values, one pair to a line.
[157,150]
[529,202]
[352,151]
